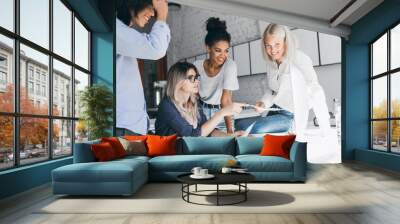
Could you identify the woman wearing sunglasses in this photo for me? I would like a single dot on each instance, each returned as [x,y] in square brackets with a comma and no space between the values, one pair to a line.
[179,112]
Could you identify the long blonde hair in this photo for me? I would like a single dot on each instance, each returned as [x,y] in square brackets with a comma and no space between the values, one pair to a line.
[289,40]
[176,75]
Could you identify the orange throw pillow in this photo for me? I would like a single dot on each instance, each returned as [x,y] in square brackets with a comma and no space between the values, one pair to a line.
[116,145]
[161,145]
[275,145]
[103,152]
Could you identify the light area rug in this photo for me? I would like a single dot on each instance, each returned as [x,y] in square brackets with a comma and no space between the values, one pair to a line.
[167,198]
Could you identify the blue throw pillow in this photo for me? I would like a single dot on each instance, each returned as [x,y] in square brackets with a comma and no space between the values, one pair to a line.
[249,145]
[83,152]
[208,145]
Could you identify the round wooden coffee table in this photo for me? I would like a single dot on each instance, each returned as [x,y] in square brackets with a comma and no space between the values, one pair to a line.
[238,179]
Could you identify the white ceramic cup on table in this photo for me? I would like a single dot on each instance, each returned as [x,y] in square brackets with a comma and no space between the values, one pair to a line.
[203,172]
[196,170]
[226,170]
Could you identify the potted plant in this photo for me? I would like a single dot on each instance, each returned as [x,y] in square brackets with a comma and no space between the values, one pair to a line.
[96,102]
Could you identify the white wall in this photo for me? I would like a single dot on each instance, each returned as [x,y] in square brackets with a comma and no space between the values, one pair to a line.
[188,31]
[330,79]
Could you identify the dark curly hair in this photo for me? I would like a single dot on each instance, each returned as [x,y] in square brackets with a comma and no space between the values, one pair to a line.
[216,31]
[127,8]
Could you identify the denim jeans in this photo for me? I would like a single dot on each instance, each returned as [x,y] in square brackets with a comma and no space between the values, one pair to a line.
[209,112]
[274,122]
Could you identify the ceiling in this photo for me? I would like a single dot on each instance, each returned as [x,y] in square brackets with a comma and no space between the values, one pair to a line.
[317,15]
[321,9]
[98,15]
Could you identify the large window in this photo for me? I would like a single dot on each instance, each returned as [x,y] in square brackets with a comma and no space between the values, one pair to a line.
[7,14]
[385,91]
[44,64]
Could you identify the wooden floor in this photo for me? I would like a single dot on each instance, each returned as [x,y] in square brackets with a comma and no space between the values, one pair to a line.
[377,188]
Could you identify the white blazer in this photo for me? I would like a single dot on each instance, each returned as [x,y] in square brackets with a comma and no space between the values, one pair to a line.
[132,45]
[294,86]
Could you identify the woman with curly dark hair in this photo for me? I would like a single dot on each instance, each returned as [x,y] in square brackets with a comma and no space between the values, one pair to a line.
[218,73]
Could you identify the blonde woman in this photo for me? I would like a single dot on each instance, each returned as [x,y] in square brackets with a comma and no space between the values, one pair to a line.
[292,81]
[179,112]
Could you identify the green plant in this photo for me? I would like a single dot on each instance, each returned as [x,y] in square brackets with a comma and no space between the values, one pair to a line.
[96,102]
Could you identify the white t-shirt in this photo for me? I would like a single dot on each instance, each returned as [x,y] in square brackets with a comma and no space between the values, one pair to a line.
[211,87]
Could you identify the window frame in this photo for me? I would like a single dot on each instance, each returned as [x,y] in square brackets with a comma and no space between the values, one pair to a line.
[388,74]
[15,71]
[3,72]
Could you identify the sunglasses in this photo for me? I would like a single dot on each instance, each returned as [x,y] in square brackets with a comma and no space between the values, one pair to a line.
[193,78]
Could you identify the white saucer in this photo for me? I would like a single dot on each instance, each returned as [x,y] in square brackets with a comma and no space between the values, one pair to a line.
[208,176]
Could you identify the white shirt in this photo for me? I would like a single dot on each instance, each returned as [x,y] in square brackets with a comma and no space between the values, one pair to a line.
[293,85]
[131,45]
[211,88]
[279,89]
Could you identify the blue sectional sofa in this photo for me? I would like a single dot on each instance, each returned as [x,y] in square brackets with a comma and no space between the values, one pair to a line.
[125,176]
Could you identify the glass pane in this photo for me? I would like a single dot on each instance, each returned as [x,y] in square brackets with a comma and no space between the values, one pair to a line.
[395,47]
[33,139]
[7,14]
[81,45]
[395,136]
[62,29]
[34,82]
[81,131]
[81,81]
[379,98]
[62,138]
[62,89]
[395,94]
[6,74]
[6,142]
[35,21]
[379,55]
[379,135]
